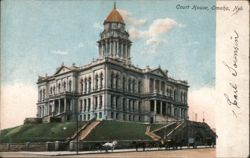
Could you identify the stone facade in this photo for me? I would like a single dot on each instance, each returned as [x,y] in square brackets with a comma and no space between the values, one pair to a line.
[111,87]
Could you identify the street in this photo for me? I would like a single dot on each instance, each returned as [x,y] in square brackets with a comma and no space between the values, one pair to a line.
[187,153]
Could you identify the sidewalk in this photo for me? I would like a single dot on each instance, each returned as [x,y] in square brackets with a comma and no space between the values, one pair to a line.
[64,153]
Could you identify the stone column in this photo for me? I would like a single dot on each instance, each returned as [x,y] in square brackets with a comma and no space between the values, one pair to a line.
[155,104]
[161,107]
[126,50]
[154,85]
[106,48]
[65,103]
[172,110]
[59,106]
[103,49]
[121,52]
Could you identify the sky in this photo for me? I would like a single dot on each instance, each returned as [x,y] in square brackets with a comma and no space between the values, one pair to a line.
[37,36]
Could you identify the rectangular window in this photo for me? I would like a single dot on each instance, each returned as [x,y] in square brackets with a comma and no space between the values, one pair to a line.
[111,102]
[100,115]
[89,104]
[100,99]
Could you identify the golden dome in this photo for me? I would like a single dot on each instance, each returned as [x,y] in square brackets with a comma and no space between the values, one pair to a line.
[114,16]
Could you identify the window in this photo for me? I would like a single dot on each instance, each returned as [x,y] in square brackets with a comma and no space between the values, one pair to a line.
[59,87]
[43,94]
[151,85]
[133,86]
[100,115]
[50,90]
[100,99]
[124,104]
[117,81]
[96,82]
[117,102]
[133,105]
[139,106]
[89,84]
[96,101]
[112,98]
[81,86]
[40,95]
[89,103]
[129,85]
[85,85]
[123,83]
[112,80]
[80,106]
[101,81]
[139,87]
[140,119]
[85,105]
[112,115]
[117,116]
[64,86]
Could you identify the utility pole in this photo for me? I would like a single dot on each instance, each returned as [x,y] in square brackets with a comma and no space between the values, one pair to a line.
[77,127]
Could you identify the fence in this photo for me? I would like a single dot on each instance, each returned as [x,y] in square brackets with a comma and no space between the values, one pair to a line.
[64,146]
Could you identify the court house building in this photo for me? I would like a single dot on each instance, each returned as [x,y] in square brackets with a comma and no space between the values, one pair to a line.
[111,87]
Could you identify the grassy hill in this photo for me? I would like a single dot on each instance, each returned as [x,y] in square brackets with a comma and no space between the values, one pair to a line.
[39,132]
[115,130]
[106,130]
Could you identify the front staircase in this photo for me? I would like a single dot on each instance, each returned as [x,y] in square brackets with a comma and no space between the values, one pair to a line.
[152,135]
[85,130]
[84,133]
[168,130]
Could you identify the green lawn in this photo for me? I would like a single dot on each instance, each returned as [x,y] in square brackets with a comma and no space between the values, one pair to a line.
[39,132]
[115,130]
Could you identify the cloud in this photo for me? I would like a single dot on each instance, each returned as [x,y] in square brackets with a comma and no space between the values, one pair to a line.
[130,20]
[80,45]
[98,26]
[158,28]
[161,26]
[155,42]
[18,101]
[59,52]
[202,100]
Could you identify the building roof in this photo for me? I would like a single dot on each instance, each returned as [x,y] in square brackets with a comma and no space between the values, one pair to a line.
[114,16]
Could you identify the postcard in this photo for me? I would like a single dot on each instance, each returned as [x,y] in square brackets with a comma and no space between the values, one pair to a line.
[87,78]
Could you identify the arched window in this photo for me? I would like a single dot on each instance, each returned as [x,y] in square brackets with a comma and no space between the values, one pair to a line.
[81,86]
[139,87]
[129,84]
[123,83]
[101,81]
[43,94]
[54,90]
[112,80]
[96,82]
[80,106]
[117,81]
[70,86]
[59,88]
[40,95]
[133,85]
[85,85]
[89,84]
[64,86]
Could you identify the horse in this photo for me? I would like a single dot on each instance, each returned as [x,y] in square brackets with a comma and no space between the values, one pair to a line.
[108,145]
[139,144]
